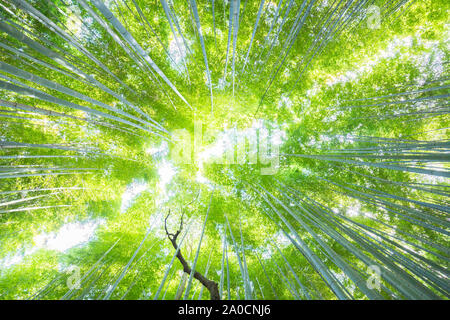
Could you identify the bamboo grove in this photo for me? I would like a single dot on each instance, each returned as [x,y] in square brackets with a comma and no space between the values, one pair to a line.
[353,92]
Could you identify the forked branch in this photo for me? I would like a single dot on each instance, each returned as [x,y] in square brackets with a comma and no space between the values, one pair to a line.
[211,285]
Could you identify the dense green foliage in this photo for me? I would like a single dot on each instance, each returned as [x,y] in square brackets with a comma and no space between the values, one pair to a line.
[93,93]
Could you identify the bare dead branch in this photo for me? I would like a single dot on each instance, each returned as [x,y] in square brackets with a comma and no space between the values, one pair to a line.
[211,285]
